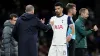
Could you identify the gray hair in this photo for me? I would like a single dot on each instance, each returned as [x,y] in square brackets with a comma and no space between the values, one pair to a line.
[29,8]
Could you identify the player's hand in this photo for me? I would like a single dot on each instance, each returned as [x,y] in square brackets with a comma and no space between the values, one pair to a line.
[51,22]
[68,38]
[95,28]
[43,20]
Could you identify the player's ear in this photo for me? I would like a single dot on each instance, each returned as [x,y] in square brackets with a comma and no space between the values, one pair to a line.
[82,14]
[71,10]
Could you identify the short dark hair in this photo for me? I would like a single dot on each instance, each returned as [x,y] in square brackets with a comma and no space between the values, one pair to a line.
[82,10]
[29,8]
[13,15]
[59,4]
[70,6]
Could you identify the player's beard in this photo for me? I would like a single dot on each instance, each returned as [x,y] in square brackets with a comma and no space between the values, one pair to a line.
[57,14]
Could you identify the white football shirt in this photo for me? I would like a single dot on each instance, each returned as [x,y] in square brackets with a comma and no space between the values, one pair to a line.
[59,29]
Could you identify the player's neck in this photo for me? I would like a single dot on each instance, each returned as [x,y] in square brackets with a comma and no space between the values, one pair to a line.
[70,14]
[60,15]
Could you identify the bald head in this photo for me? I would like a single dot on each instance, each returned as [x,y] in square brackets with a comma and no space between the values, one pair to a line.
[29,8]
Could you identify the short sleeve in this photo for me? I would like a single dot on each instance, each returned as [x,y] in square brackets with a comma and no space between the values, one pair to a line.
[69,20]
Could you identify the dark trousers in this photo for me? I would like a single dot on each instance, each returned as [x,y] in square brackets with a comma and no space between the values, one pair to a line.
[71,48]
[81,52]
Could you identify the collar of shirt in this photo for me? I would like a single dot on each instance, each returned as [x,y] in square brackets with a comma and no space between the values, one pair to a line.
[81,18]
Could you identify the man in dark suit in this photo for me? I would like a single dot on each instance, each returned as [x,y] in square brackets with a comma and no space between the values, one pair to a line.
[26,32]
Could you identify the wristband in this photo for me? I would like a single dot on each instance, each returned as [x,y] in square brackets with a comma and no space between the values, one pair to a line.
[71,34]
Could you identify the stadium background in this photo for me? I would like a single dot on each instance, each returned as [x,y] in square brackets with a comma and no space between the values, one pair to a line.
[45,9]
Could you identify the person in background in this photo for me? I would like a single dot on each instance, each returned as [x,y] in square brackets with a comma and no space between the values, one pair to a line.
[9,43]
[71,11]
[26,32]
[81,33]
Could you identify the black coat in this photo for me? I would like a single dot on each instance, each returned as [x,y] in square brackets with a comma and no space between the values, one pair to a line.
[26,32]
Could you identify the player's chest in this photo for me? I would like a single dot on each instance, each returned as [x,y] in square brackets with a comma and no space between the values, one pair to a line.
[60,23]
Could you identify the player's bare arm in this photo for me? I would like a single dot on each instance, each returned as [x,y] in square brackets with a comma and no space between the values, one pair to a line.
[51,22]
[72,28]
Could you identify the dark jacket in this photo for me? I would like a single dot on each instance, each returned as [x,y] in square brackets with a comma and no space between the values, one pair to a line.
[26,32]
[8,41]
[81,33]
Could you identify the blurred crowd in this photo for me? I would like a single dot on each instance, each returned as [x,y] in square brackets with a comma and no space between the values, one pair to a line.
[45,37]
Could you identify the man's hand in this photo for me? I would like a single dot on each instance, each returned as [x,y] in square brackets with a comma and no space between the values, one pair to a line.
[95,28]
[68,38]
[43,20]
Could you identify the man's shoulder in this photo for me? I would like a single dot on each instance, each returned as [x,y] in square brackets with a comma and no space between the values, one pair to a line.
[7,29]
[53,18]
[65,15]
[68,17]
[79,23]
[78,20]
